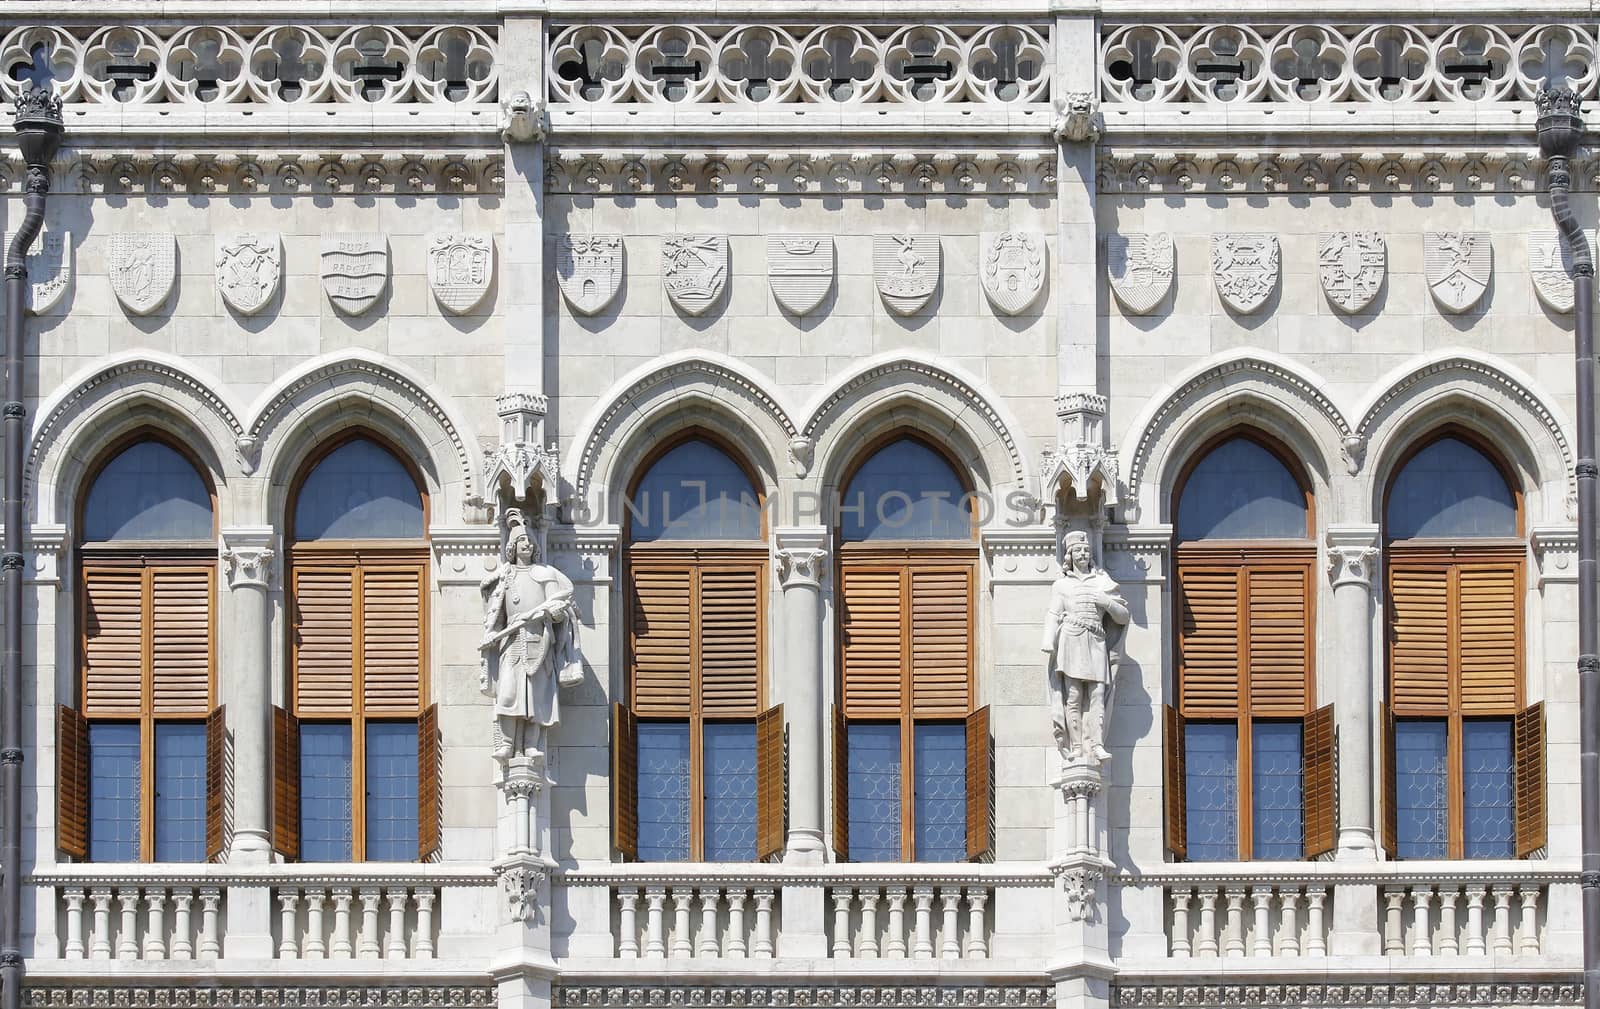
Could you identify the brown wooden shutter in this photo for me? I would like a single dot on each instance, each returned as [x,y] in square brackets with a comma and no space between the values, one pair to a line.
[72,783]
[1391,806]
[285,783]
[324,632]
[216,782]
[1419,639]
[1279,619]
[841,786]
[391,638]
[1488,605]
[872,633]
[771,784]
[624,780]
[662,640]
[1528,753]
[430,809]
[113,641]
[730,641]
[1177,826]
[1208,641]
[1320,785]
[980,786]
[180,639]
[941,641]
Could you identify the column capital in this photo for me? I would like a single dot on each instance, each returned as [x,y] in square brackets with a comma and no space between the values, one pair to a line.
[801,553]
[247,552]
[1352,554]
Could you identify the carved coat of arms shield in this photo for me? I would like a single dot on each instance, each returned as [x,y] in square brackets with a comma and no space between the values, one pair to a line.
[1457,265]
[460,268]
[1140,267]
[49,265]
[1244,268]
[142,267]
[589,270]
[1351,264]
[249,267]
[1011,266]
[906,268]
[355,270]
[1550,267]
[694,270]
[800,270]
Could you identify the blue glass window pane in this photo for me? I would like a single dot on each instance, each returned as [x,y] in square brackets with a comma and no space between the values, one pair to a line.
[1487,770]
[1421,788]
[1211,790]
[326,816]
[730,803]
[180,792]
[114,792]
[358,492]
[663,791]
[1450,489]
[148,492]
[1241,491]
[1277,828]
[939,797]
[391,791]
[694,492]
[874,792]
[905,491]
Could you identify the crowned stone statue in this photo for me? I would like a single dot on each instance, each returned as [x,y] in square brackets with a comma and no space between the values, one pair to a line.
[530,643]
[1081,633]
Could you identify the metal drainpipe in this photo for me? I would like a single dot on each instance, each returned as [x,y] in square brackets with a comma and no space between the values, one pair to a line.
[1560,130]
[38,126]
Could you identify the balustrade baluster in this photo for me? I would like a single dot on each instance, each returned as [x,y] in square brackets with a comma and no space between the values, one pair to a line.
[737,895]
[1394,927]
[182,943]
[422,941]
[628,923]
[210,924]
[894,944]
[682,931]
[761,947]
[1449,943]
[1261,928]
[710,904]
[343,896]
[1208,923]
[314,947]
[155,925]
[100,938]
[128,932]
[1288,943]
[1181,948]
[1421,919]
[367,943]
[73,949]
[1501,937]
[842,896]
[1316,943]
[1528,944]
[395,947]
[950,926]
[288,923]
[977,926]
[922,943]
[1475,944]
[655,938]
[1233,941]
[867,938]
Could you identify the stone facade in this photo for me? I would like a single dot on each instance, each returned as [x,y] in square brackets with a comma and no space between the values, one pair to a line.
[545,243]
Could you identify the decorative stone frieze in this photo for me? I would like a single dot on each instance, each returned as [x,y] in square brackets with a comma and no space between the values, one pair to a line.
[785,996]
[1146,170]
[324,996]
[49,263]
[241,171]
[1457,265]
[1400,992]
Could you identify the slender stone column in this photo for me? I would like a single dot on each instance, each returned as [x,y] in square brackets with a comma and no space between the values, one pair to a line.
[802,557]
[245,672]
[1352,564]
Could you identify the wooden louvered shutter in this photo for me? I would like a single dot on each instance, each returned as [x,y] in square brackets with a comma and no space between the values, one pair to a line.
[941,641]
[729,640]
[285,783]
[1177,826]
[180,639]
[1488,608]
[1419,639]
[662,640]
[1528,754]
[1208,641]
[841,786]
[1391,805]
[324,632]
[872,633]
[1279,633]
[113,641]
[429,795]
[391,639]
[72,783]
[771,784]
[980,786]
[216,782]
[1320,784]
[624,780]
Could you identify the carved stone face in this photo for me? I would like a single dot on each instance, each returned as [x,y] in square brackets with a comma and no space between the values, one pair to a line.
[1079,558]
[522,548]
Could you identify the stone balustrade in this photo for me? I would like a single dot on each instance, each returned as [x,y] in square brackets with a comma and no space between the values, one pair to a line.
[683,921]
[1448,919]
[141,922]
[1276,919]
[361,922]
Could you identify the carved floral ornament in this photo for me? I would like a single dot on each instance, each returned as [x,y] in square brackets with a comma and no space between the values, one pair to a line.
[1327,171]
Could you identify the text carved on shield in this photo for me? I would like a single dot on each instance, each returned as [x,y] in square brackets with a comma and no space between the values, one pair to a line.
[589,270]
[355,270]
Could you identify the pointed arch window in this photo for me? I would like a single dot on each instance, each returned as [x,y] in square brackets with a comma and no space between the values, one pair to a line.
[139,760]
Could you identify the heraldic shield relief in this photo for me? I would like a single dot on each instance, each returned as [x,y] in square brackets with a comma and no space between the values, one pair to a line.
[249,266]
[906,268]
[1140,267]
[1550,266]
[1352,265]
[1457,265]
[589,270]
[142,267]
[460,267]
[694,270]
[1012,268]
[800,270]
[49,265]
[1245,269]
[355,270]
